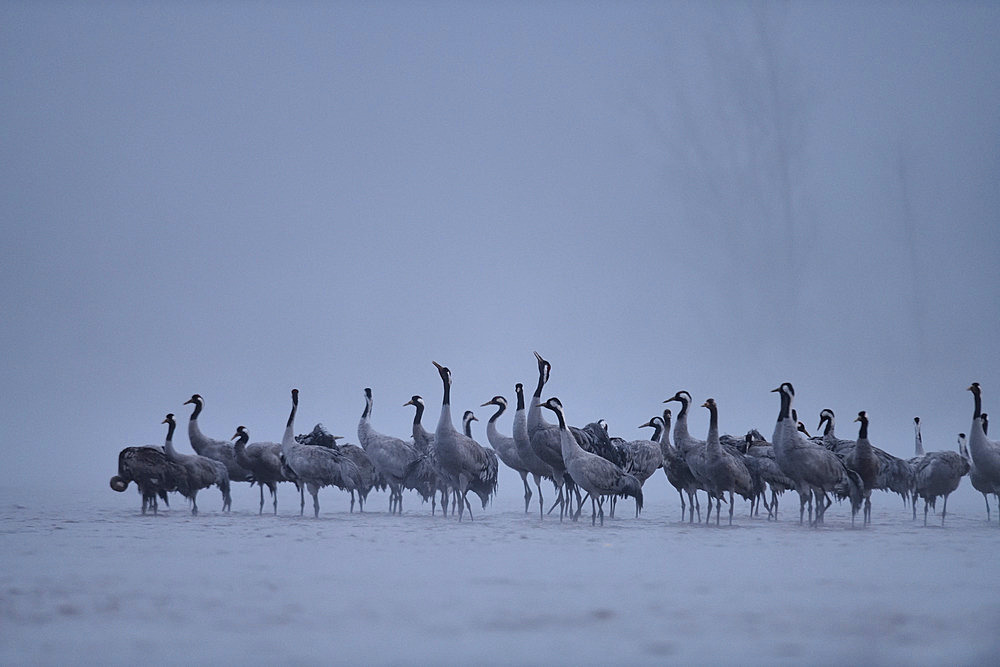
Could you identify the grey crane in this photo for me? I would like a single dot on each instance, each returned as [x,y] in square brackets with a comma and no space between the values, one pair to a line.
[863,461]
[153,473]
[979,481]
[263,461]
[390,456]
[463,459]
[727,472]
[425,474]
[644,458]
[814,469]
[894,474]
[938,474]
[918,455]
[315,467]
[545,440]
[692,449]
[481,486]
[595,474]
[370,479]
[984,453]
[762,453]
[674,466]
[220,450]
[200,472]
[506,447]
[534,465]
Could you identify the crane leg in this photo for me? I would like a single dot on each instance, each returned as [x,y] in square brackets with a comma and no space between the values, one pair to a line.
[527,491]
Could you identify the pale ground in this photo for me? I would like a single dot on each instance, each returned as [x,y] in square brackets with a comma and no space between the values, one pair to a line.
[85,578]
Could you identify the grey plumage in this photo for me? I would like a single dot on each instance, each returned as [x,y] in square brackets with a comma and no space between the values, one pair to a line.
[595,474]
[368,478]
[220,450]
[545,440]
[464,460]
[693,451]
[315,467]
[534,465]
[263,461]
[200,472]
[425,475]
[938,474]
[153,473]
[391,456]
[674,466]
[893,475]
[762,452]
[483,485]
[506,448]
[643,458]
[979,481]
[863,461]
[814,469]
[727,471]
[984,453]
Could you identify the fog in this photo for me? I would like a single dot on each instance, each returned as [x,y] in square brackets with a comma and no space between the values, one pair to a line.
[235,200]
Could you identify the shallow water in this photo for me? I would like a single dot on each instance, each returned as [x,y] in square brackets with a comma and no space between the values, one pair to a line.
[85,576]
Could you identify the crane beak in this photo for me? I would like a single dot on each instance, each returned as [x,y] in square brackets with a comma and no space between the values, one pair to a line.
[645,425]
[486,403]
[776,389]
[236,435]
[439,366]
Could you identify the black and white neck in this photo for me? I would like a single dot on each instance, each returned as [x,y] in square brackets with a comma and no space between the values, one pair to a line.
[171,425]
[826,416]
[467,420]
[977,396]
[684,399]
[501,404]
[713,424]
[198,402]
[918,442]
[556,406]
[656,423]
[241,437]
[446,381]
[295,406]
[417,402]
[367,413]
[787,393]
[863,431]
[288,439]
[544,368]
[168,443]
[519,390]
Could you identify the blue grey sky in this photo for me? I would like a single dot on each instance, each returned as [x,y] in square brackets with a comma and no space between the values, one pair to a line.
[235,199]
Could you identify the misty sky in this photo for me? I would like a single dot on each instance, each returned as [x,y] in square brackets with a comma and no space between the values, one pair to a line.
[236,199]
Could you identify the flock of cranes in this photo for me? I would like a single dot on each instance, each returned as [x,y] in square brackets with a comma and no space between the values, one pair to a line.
[448,463]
